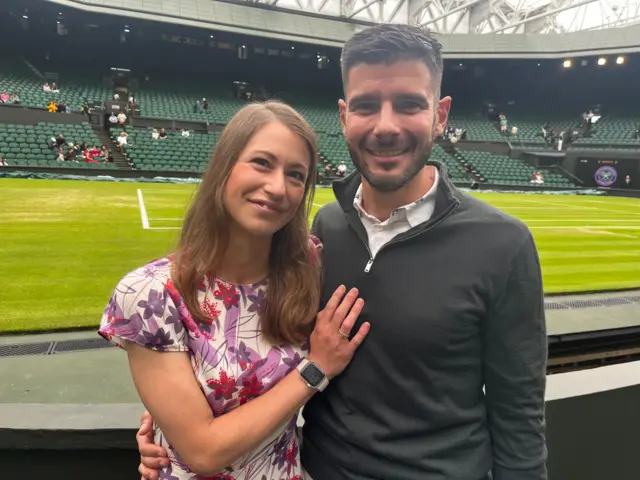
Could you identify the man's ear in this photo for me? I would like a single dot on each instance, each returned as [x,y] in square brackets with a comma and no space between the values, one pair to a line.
[342,107]
[442,115]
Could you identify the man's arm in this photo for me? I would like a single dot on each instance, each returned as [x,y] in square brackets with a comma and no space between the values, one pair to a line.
[515,359]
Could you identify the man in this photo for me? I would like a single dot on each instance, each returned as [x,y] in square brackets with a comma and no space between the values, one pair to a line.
[453,293]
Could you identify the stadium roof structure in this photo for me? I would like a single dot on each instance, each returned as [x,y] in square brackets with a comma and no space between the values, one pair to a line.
[477,16]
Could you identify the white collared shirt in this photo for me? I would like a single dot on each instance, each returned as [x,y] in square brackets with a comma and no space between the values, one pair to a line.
[401,220]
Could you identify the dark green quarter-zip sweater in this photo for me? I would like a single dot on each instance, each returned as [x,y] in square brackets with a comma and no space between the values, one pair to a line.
[455,305]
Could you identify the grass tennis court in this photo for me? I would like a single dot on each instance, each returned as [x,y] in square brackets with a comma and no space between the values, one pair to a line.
[64,244]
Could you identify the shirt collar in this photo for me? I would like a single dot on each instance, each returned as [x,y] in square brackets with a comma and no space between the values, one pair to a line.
[415,213]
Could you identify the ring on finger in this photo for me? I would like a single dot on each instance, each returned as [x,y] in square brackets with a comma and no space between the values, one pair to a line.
[343,335]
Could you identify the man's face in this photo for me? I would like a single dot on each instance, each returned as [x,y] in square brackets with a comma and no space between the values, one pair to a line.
[390,120]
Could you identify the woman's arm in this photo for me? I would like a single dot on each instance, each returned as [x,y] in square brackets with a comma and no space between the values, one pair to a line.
[207,444]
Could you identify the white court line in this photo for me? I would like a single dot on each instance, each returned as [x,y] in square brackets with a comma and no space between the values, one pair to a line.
[143,211]
[594,231]
[562,227]
[173,190]
[582,207]
[616,203]
[553,220]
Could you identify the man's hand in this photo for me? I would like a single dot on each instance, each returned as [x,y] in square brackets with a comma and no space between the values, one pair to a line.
[152,457]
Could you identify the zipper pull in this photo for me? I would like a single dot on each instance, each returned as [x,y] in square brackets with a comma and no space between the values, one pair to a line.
[368,266]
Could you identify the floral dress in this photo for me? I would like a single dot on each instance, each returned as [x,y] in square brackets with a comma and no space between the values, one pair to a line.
[232,361]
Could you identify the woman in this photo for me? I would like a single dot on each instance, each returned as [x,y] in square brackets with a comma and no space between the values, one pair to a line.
[214,333]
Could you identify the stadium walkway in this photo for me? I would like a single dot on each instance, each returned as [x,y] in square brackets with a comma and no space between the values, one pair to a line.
[80,385]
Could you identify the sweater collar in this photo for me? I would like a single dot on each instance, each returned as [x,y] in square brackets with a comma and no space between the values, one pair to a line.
[447,194]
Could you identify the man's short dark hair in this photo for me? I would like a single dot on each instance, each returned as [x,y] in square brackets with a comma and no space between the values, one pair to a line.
[389,43]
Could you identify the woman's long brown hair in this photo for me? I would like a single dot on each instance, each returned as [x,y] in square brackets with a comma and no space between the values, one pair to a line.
[293,290]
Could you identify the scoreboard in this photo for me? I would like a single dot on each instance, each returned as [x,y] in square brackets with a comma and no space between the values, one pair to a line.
[610,173]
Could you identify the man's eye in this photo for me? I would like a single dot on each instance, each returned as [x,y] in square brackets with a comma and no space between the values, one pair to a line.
[365,107]
[409,105]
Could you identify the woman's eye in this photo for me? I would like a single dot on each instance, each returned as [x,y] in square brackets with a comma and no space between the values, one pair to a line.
[261,161]
[298,176]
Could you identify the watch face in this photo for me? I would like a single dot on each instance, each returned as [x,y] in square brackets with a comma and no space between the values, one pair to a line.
[312,375]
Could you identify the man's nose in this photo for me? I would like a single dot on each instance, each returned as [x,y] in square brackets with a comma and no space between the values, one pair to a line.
[387,121]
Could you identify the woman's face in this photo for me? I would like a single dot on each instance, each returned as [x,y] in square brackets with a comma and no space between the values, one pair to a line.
[267,183]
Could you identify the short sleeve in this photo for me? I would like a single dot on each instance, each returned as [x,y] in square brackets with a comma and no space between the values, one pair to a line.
[142,311]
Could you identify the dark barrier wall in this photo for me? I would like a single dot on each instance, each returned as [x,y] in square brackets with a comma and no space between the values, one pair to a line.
[31,116]
[590,437]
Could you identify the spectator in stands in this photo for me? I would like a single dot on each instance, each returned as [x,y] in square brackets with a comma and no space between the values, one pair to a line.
[85,108]
[250,220]
[60,154]
[185,132]
[342,169]
[46,87]
[537,178]
[450,382]
[637,133]
[122,141]
[71,155]
[54,88]
[154,134]
[514,131]
[4,97]
[60,141]
[627,181]
[90,155]
[113,119]
[163,134]
[105,154]
[560,139]
[197,108]
[205,104]
[547,133]
[3,162]
[52,107]
[503,123]
[14,98]
[116,96]
[122,118]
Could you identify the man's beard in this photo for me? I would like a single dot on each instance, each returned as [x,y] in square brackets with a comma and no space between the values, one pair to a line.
[419,160]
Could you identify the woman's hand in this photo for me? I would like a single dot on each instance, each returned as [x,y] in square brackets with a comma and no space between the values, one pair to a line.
[331,346]
[152,457]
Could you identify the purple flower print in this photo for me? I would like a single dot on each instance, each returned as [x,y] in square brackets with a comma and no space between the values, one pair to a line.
[172,318]
[280,451]
[242,356]
[256,300]
[113,309]
[167,473]
[154,305]
[159,340]
[292,361]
